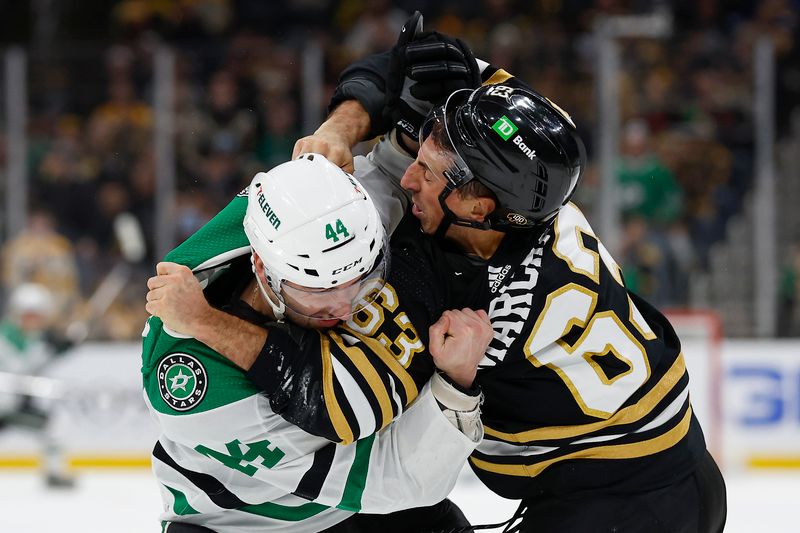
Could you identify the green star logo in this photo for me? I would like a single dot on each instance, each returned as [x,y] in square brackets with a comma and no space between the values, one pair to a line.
[182,381]
[178,381]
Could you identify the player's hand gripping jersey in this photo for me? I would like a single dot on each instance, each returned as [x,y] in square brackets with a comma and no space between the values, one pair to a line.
[240,457]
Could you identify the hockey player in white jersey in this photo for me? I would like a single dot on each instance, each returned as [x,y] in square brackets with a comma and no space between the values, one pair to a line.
[319,435]
[28,344]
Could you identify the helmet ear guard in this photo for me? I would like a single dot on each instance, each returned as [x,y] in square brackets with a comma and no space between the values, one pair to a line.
[278,307]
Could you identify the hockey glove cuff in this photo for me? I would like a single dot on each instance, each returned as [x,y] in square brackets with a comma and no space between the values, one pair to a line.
[462,410]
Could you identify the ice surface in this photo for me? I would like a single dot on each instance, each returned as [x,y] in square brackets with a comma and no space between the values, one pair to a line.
[128,502]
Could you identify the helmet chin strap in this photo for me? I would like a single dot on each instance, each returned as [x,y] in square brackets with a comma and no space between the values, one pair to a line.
[450,218]
[279,308]
[444,225]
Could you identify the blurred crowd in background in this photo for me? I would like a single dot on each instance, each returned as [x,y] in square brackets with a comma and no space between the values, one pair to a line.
[685,156]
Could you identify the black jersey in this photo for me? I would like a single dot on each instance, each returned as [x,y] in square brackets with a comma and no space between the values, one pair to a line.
[585,384]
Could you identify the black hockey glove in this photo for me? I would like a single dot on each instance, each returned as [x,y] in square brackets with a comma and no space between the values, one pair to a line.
[424,69]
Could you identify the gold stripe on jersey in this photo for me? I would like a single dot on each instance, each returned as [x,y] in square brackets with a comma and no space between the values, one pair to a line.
[618,451]
[626,415]
[499,76]
[339,421]
[391,362]
[365,368]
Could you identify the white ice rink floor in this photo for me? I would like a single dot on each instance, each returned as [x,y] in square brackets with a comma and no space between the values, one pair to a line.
[128,502]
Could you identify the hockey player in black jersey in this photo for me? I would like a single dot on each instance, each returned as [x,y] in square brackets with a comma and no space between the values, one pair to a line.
[587,413]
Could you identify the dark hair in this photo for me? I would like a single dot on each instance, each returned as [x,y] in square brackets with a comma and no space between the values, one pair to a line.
[473,188]
[476,189]
[440,137]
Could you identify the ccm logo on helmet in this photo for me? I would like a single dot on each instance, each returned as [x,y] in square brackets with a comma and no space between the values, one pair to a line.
[346,267]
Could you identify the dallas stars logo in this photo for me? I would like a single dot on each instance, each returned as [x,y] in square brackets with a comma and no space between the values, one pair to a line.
[182,381]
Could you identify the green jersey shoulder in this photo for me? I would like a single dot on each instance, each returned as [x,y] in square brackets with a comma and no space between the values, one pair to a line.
[181,375]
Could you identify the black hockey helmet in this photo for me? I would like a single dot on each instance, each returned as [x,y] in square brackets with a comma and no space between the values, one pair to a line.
[516,142]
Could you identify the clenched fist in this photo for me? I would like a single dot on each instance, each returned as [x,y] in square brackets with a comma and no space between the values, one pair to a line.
[458,341]
[332,147]
[176,297]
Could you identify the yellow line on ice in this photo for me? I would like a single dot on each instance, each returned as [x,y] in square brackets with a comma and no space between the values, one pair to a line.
[78,462]
[773,461]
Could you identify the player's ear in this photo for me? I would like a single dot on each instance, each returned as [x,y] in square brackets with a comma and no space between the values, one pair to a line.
[258,264]
[482,207]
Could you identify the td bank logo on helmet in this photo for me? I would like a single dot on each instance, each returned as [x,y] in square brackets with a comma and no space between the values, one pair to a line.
[505,128]
[530,152]
[267,209]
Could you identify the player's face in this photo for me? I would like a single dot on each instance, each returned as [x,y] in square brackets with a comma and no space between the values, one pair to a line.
[315,308]
[309,307]
[33,322]
[425,180]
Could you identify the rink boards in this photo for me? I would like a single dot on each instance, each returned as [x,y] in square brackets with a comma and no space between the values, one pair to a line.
[747,396]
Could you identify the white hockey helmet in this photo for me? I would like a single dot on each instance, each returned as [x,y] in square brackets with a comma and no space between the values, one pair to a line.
[314,226]
[31,298]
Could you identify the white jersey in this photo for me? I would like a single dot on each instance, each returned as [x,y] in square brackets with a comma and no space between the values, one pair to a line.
[227,461]
[320,437]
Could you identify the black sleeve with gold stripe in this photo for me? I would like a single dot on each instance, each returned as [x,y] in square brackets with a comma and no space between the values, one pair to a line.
[492,74]
[347,382]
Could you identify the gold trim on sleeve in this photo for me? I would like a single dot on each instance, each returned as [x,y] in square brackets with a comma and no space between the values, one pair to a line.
[619,451]
[365,368]
[626,415]
[499,76]
[397,369]
[339,421]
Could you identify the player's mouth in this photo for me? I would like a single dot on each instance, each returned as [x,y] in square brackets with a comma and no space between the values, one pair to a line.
[415,210]
[327,323]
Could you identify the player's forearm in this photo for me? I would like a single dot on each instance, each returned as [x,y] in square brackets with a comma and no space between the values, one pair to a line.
[349,122]
[236,339]
[365,82]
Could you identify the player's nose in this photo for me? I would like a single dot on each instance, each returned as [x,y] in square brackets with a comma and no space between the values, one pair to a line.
[342,302]
[339,309]
[410,179]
